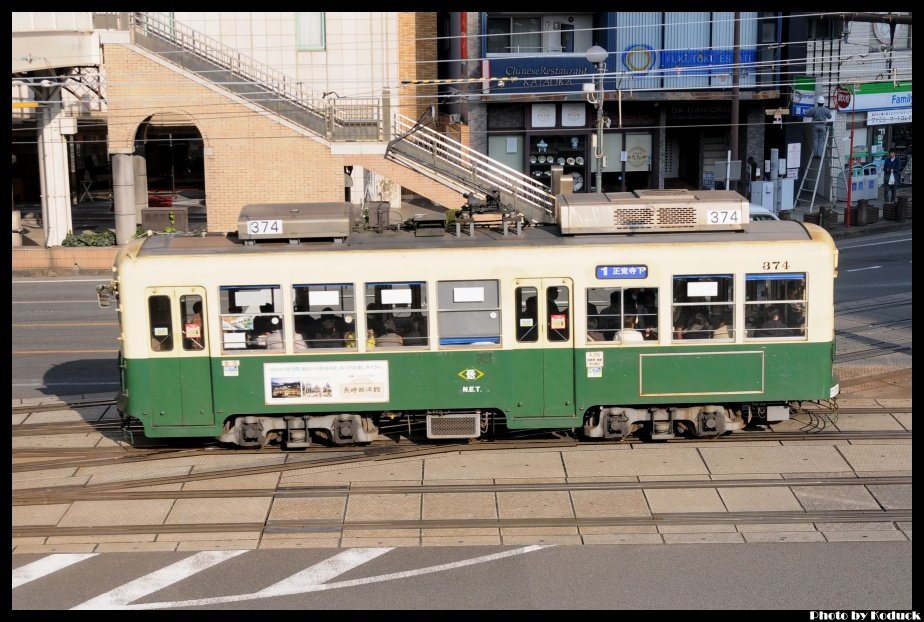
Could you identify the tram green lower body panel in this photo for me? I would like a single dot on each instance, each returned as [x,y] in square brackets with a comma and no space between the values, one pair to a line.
[533,388]
[705,375]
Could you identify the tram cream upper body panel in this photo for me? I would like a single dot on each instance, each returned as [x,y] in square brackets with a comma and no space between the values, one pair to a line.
[214,262]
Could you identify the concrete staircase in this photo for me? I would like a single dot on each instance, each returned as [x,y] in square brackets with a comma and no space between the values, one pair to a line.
[419,151]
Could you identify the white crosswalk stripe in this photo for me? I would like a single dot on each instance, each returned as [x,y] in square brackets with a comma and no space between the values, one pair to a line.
[46,566]
[316,578]
[150,583]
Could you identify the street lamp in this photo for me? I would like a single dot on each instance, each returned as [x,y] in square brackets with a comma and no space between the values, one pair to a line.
[597,55]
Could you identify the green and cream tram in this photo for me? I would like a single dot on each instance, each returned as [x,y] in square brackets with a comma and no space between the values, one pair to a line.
[592,324]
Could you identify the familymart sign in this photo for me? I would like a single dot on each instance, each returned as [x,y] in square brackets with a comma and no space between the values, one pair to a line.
[875,96]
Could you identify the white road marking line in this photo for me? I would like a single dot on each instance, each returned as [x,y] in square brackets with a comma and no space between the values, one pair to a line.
[862,269]
[88,383]
[304,589]
[65,280]
[323,572]
[46,566]
[847,248]
[150,583]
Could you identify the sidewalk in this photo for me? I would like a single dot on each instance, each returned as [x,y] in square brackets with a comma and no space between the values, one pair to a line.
[841,230]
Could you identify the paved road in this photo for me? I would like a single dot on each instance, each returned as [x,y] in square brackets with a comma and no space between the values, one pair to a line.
[787,576]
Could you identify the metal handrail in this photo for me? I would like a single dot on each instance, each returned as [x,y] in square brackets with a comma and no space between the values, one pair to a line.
[340,119]
[345,118]
[479,169]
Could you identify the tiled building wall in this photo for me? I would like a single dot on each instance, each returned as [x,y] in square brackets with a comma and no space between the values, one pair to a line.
[249,157]
[417,61]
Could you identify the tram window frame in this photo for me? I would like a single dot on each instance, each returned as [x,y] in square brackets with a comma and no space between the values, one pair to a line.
[608,325]
[405,309]
[310,303]
[468,313]
[784,292]
[193,327]
[160,322]
[527,320]
[706,301]
[555,315]
[243,316]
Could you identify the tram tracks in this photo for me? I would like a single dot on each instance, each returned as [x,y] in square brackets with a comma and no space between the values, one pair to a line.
[343,524]
[58,458]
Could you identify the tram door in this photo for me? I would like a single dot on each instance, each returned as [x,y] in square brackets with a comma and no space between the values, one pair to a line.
[179,376]
[544,358]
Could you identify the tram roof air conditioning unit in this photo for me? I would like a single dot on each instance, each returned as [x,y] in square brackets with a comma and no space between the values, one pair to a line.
[652,211]
[294,221]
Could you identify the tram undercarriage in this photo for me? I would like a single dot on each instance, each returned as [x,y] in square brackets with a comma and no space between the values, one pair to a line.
[615,422]
[611,422]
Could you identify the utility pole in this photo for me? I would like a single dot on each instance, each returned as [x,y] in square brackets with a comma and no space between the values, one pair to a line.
[736,95]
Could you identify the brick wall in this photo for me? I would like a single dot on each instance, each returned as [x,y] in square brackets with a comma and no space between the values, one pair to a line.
[249,158]
[417,61]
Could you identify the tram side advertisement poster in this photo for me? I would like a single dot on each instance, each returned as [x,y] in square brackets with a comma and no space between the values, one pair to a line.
[326,382]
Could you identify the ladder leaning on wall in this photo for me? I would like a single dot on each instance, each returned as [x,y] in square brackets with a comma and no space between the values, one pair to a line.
[808,187]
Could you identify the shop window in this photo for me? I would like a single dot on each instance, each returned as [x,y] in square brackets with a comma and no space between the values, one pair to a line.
[569,151]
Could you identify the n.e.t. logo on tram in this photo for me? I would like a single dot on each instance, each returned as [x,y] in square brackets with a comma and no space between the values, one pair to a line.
[471,374]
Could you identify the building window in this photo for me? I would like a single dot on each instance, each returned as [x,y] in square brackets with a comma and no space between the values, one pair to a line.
[514,35]
[310,31]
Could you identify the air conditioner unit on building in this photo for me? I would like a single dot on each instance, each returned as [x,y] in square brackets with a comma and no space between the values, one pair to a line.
[455,118]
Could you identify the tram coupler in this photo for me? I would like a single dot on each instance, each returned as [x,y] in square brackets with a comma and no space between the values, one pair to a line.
[662,425]
[296,433]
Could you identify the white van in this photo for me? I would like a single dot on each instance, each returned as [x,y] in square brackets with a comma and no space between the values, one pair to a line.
[761,213]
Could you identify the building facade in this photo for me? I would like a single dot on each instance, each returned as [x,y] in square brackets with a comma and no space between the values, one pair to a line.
[669,87]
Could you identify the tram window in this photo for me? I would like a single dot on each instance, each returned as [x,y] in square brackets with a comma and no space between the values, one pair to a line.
[325,316]
[161,323]
[558,313]
[775,305]
[469,313]
[396,315]
[615,310]
[527,316]
[251,317]
[193,322]
[703,307]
